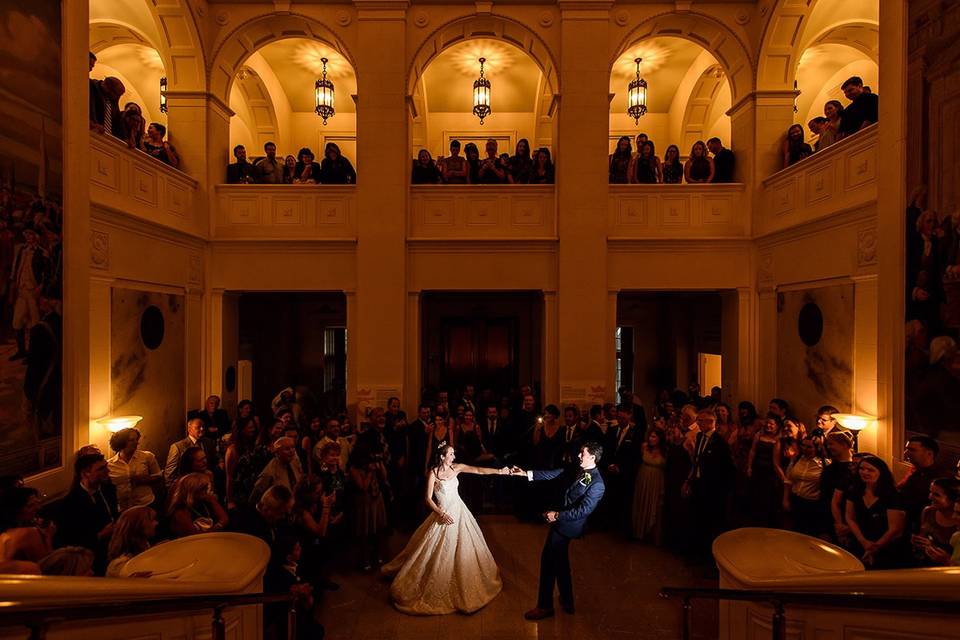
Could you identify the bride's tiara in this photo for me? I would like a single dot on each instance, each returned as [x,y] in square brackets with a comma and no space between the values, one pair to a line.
[441,445]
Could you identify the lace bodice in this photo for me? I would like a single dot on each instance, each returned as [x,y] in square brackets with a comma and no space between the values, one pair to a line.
[446,493]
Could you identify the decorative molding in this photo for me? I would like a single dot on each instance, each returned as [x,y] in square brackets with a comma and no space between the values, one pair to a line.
[344,18]
[421,19]
[546,18]
[284,211]
[742,17]
[99,249]
[482,212]
[222,17]
[677,211]
[195,272]
[867,246]
[621,17]
[765,273]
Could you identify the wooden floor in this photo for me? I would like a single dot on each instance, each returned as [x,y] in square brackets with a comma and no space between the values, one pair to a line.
[616,582]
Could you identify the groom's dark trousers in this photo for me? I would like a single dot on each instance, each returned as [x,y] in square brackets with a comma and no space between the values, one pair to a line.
[555,569]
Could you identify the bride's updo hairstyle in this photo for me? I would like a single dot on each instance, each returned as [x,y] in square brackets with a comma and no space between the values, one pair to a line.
[438,453]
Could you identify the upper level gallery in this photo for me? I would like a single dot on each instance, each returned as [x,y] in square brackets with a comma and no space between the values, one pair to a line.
[482,121]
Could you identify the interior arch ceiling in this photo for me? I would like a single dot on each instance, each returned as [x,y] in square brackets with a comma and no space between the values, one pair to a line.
[296,62]
[828,14]
[514,76]
[133,13]
[666,62]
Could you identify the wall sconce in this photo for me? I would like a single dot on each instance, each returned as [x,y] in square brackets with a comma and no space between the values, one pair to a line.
[324,92]
[163,94]
[855,423]
[637,95]
[481,95]
[116,423]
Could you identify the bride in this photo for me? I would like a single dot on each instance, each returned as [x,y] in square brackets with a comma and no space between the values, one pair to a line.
[446,566]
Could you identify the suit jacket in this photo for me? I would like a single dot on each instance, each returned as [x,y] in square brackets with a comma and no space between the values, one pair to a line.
[97,101]
[498,442]
[81,517]
[238,172]
[713,470]
[625,452]
[579,500]
[171,470]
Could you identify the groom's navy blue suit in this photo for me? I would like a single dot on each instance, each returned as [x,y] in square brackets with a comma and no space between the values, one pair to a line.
[579,501]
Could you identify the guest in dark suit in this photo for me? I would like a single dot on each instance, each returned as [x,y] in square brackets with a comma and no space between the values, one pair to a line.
[585,489]
[171,470]
[496,433]
[624,446]
[88,513]
[709,483]
[105,113]
[241,171]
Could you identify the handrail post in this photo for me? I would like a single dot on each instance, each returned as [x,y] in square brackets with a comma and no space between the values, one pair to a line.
[292,620]
[779,622]
[218,629]
[685,615]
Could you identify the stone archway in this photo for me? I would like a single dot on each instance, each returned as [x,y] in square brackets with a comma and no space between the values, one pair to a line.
[726,47]
[701,105]
[780,44]
[242,42]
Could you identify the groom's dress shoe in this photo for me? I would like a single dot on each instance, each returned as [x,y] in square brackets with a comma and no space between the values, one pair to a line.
[567,608]
[538,614]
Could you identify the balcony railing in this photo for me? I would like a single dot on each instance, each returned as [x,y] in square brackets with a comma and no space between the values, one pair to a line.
[129,181]
[840,178]
[663,211]
[301,212]
[482,212]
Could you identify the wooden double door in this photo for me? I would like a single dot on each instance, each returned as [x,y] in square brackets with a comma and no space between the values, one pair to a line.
[480,351]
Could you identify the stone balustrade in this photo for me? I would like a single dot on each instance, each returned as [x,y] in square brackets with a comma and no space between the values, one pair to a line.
[671,211]
[285,211]
[482,212]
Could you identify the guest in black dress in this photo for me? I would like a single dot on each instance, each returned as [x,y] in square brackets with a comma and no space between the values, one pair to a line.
[876,516]
[472,154]
[698,167]
[335,168]
[542,168]
[619,162]
[671,168]
[424,169]
[521,164]
[794,148]
[306,171]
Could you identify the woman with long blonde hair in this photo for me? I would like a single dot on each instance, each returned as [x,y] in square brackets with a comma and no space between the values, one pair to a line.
[131,536]
[194,508]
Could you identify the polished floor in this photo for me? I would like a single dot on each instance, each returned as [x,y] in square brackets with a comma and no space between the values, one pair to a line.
[615,585]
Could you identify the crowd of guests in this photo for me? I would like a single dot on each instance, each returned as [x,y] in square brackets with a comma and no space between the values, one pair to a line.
[523,167]
[334,168]
[318,490]
[127,124]
[708,162]
[836,123]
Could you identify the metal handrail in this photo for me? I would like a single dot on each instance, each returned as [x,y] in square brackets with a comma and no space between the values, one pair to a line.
[780,599]
[39,618]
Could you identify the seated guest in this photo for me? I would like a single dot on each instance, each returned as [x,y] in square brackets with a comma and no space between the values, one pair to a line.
[241,171]
[671,168]
[521,164]
[135,528]
[24,537]
[161,149]
[133,472]
[171,470]
[88,513]
[863,110]
[723,161]
[801,489]
[194,507]
[424,170]
[134,126]
[306,171]
[921,453]
[77,562]
[816,126]
[336,169]
[699,167]
[105,114]
[543,172]
[938,524]
[645,166]
[794,148]
[454,169]
[875,516]
[492,169]
[269,170]
[289,170]
[618,163]
[830,130]
[284,469]
[472,154]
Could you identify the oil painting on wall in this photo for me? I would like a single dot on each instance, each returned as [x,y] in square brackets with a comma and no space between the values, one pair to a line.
[31,227]
[815,348]
[932,223]
[147,364]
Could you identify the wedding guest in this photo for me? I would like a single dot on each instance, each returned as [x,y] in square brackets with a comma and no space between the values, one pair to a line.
[521,164]
[269,170]
[863,110]
[875,516]
[672,169]
[105,114]
[88,513]
[649,489]
[194,508]
[836,479]
[194,460]
[830,131]
[472,154]
[307,171]
[794,148]
[709,483]
[543,172]
[134,125]
[133,472]
[335,168]
[332,434]
[161,149]
[246,457]
[699,167]
[816,126]
[284,469]
[765,474]
[492,168]
[241,171]
[424,170]
[368,476]
[77,562]
[921,453]
[171,470]
[135,528]
[646,166]
[25,538]
[931,544]
[289,170]
[951,555]
[723,161]
[801,489]
[454,169]
[619,162]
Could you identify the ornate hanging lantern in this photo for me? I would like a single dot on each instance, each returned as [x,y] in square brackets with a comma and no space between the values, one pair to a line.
[481,95]
[637,95]
[163,94]
[324,91]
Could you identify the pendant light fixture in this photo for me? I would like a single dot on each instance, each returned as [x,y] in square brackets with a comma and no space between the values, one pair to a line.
[637,95]
[324,91]
[481,95]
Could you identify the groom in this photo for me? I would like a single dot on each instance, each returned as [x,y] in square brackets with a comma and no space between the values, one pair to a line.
[585,488]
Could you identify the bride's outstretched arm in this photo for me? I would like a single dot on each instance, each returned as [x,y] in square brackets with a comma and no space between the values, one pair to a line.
[481,471]
[432,504]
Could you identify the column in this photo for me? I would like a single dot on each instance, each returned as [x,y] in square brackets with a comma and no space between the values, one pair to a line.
[582,308]
[865,358]
[738,344]
[99,364]
[549,381]
[414,366]
[767,345]
[213,339]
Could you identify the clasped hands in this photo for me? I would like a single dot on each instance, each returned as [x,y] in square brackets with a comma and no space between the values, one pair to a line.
[512,471]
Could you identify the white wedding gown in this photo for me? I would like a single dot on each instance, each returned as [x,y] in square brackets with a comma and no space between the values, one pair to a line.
[444,567]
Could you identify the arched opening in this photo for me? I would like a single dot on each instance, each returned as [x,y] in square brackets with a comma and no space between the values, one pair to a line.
[522,99]
[688,94]
[821,70]
[273,99]
[140,68]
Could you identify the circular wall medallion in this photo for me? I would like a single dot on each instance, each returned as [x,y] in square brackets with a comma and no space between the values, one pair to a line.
[546,18]
[343,18]
[621,17]
[152,327]
[810,324]
[222,18]
[421,19]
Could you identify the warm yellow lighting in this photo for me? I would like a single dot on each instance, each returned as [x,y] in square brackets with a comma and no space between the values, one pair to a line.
[324,91]
[637,95]
[116,423]
[853,421]
[481,95]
